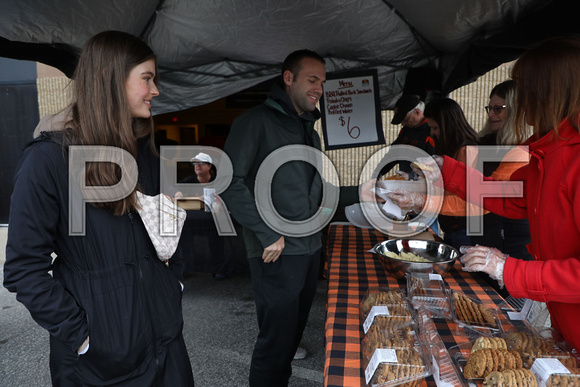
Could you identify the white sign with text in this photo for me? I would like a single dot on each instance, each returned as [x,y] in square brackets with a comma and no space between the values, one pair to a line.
[349,108]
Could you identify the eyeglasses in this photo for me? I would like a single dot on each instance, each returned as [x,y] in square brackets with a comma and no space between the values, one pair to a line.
[496,109]
[200,163]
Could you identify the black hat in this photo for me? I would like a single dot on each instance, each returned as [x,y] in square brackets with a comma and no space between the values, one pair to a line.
[403,106]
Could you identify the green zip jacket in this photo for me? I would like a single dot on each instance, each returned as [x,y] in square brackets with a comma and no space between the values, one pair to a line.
[296,187]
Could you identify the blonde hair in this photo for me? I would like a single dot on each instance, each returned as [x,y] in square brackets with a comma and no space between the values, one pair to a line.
[507,134]
[548,85]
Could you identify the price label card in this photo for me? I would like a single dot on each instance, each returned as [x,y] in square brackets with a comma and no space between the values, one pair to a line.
[381,355]
[375,311]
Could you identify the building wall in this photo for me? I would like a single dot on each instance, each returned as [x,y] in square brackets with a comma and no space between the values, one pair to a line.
[54,90]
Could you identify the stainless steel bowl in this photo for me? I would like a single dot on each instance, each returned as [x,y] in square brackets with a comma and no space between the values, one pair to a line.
[441,256]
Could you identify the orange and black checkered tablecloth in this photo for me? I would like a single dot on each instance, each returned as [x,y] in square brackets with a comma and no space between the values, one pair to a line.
[351,271]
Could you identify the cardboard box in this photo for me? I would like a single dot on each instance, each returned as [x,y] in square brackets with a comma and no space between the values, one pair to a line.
[191,203]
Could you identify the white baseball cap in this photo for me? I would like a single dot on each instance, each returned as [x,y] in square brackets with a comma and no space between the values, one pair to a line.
[202,158]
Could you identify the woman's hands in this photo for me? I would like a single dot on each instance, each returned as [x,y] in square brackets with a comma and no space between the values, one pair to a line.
[431,167]
[487,259]
[367,193]
[84,347]
[407,200]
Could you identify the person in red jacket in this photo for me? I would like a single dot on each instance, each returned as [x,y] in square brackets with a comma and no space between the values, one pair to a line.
[548,99]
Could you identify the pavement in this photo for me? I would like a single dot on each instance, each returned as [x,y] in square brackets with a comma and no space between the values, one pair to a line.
[220,330]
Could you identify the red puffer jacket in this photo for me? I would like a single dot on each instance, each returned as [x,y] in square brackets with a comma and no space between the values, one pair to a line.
[551,202]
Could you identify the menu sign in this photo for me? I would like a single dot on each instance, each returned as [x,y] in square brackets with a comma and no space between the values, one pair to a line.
[351,114]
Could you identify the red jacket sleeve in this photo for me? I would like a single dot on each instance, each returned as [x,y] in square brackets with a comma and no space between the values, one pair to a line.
[455,176]
[545,281]
[554,276]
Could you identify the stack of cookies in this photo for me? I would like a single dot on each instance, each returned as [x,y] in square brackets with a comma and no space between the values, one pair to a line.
[484,361]
[389,337]
[489,342]
[417,285]
[563,380]
[388,372]
[382,298]
[520,377]
[471,312]
[393,332]
[531,346]
[398,317]
[409,368]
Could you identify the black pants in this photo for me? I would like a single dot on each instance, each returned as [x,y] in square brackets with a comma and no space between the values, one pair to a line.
[284,291]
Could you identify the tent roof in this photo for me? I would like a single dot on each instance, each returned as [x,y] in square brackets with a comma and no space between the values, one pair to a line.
[208,50]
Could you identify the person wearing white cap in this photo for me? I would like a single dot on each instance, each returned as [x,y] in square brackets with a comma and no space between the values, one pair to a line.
[201,223]
[409,112]
[204,171]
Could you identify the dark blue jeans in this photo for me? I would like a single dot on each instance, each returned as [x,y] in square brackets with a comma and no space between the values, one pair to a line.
[283,292]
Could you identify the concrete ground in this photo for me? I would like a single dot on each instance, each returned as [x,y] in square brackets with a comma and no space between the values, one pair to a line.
[220,330]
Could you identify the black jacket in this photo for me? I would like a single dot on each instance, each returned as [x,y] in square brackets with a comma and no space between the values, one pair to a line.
[108,284]
[296,189]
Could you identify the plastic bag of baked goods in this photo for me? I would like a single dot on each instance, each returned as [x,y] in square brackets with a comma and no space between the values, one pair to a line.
[385,307]
[547,343]
[550,372]
[395,356]
[475,314]
[429,290]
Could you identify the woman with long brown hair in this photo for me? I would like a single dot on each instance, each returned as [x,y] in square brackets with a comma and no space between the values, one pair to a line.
[452,134]
[111,306]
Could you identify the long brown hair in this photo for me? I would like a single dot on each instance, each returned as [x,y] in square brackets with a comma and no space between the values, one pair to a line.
[455,130]
[548,85]
[100,113]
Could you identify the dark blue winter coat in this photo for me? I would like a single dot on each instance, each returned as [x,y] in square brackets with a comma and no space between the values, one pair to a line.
[108,284]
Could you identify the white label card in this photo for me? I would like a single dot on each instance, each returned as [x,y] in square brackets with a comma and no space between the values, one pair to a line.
[435,277]
[381,355]
[382,310]
[543,368]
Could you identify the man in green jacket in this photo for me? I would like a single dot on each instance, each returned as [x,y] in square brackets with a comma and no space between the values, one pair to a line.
[284,266]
